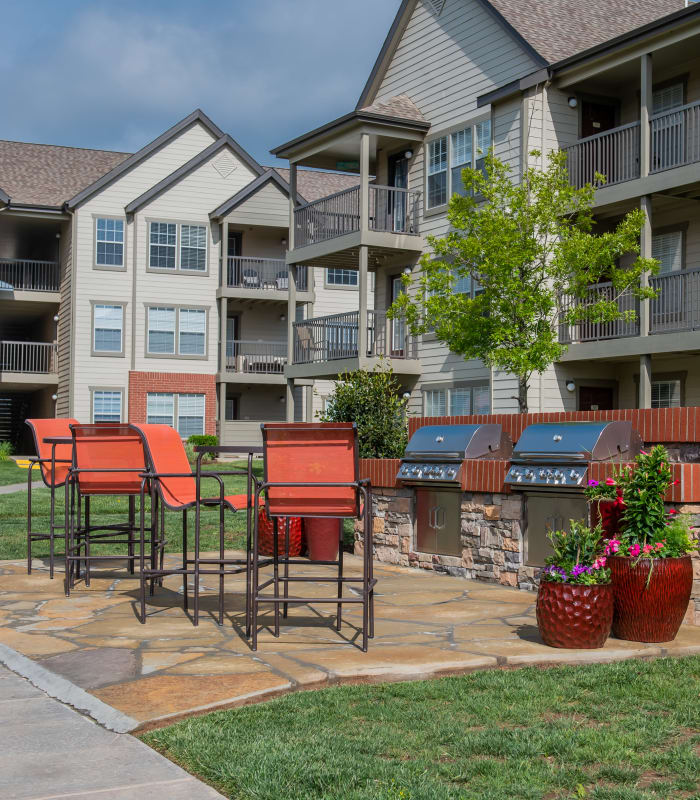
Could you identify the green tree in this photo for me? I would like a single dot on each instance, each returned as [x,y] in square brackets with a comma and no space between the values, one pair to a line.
[527,246]
[373,400]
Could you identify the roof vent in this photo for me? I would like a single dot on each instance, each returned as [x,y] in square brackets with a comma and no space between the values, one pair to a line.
[225,164]
[435,6]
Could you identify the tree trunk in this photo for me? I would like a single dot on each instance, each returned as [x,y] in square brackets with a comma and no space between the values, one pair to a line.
[522,394]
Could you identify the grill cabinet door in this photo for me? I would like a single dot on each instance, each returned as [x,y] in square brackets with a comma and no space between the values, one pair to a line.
[438,522]
[549,511]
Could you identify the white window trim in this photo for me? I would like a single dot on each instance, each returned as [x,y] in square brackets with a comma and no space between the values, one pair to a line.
[178,269]
[439,134]
[109,267]
[176,353]
[346,286]
[113,389]
[176,408]
[107,353]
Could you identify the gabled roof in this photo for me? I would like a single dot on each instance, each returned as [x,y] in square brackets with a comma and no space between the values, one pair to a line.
[314,184]
[268,176]
[47,175]
[549,30]
[223,141]
[4,198]
[197,116]
[400,106]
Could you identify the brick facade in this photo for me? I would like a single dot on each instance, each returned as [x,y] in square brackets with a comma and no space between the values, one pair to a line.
[140,383]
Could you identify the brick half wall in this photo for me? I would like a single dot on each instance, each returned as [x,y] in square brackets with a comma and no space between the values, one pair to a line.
[141,383]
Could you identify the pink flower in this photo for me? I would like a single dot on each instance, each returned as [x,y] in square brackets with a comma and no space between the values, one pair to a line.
[609,481]
[633,550]
[593,483]
[644,452]
[647,548]
[599,563]
[660,545]
[672,512]
[675,483]
[612,546]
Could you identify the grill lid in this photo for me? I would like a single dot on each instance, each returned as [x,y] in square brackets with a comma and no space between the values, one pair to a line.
[577,441]
[454,442]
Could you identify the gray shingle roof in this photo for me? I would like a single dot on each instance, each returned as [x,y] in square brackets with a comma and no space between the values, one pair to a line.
[399,106]
[48,175]
[558,29]
[314,184]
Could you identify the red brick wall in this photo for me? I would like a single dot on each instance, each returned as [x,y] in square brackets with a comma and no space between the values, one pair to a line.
[658,425]
[140,383]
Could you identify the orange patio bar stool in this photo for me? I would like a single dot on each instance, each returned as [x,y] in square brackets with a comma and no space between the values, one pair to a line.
[54,462]
[180,489]
[108,460]
[312,470]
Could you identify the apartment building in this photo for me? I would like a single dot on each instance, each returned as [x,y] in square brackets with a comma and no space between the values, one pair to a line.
[619,89]
[153,286]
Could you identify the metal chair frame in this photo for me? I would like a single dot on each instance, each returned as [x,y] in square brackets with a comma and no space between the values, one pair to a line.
[363,511]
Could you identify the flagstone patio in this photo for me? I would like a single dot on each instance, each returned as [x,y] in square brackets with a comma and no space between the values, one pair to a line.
[426,625]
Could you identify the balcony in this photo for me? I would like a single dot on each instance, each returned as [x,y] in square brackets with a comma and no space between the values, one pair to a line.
[255,362]
[329,231]
[263,278]
[599,331]
[674,144]
[327,346]
[28,362]
[26,275]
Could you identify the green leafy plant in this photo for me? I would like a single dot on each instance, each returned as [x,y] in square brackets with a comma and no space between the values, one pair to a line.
[578,556]
[530,252]
[372,400]
[5,451]
[204,440]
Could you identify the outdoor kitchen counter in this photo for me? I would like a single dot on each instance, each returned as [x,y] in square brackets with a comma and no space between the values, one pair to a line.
[492,522]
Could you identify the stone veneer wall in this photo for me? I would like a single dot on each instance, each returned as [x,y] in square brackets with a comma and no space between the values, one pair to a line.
[492,540]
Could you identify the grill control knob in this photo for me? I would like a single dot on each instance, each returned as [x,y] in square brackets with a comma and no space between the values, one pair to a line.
[529,474]
[415,470]
[558,474]
[543,474]
[574,475]
[451,472]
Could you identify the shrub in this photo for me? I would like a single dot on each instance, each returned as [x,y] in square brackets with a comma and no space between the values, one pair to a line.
[5,451]
[373,401]
[203,440]
[578,556]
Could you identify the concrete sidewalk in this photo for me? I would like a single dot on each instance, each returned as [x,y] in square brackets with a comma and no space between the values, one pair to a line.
[50,751]
[11,488]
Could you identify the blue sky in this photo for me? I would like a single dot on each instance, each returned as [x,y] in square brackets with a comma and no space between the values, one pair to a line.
[111,75]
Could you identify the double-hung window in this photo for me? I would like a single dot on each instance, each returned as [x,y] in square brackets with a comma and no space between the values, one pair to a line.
[161,330]
[160,408]
[162,238]
[106,406]
[666,394]
[447,156]
[109,242]
[667,249]
[108,323]
[173,246]
[437,172]
[341,277]
[457,401]
[184,412]
[192,331]
[435,403]
[176,331]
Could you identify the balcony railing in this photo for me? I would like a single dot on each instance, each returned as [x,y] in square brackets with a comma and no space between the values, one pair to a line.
[594,331]
[675,138]
[677,307]
[32,357]
[613,153]
[263,274]
[30,276]
[257,358]
[336,336]
[390,210]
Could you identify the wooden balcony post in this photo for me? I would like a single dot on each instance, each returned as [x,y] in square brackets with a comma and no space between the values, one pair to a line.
[645,381]
[364,183]
[645,252]
[362,286]
[223,277]
[223,314]
[645,111]
[222,412]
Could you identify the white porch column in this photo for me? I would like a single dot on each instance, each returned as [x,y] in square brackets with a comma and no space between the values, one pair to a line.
[645,381]
[645,110]
[223,272]
[364,252]
[292,296]
[645,248]
[222,411]
[310,403]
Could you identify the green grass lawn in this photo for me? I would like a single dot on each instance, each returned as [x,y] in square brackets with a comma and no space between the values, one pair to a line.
[623,731]
[11,473]
[13,518]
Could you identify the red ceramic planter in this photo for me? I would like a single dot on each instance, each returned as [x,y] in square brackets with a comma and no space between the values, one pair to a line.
[574,616]
[609,514]
[323,538]
[651,613]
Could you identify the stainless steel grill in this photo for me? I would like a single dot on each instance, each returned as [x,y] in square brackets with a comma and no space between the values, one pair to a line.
[435,453]
[556,454]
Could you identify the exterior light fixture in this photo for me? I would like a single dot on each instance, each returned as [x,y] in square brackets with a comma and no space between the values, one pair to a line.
[570,386]
[406,395]
[54,397]
[283,317]
[55,317]
[282,398]
[408,154]
[572,101]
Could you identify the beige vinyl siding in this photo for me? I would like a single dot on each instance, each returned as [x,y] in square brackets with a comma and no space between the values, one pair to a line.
[63,402]
[444,63]
[507,134]
[259,322]
[263,242]
[269,206]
